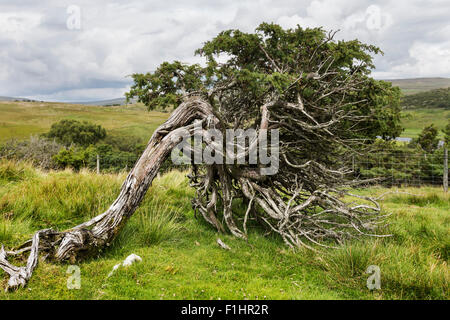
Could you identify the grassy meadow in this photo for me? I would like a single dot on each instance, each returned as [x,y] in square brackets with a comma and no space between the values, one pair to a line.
[415,120]
[181,259]
[22,119]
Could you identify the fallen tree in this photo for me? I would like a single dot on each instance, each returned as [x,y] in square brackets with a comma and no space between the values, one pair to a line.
[311,96]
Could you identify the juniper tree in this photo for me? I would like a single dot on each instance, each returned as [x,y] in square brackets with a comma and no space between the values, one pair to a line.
[428,139]
[314,91]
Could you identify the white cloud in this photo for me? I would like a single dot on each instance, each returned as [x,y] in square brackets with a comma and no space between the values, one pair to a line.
[18,26]
[41,57]
[428,60]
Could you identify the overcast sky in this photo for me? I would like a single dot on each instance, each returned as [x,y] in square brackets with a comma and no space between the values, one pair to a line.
[84,50]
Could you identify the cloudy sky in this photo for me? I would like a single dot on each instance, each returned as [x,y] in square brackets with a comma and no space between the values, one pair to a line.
[83,50]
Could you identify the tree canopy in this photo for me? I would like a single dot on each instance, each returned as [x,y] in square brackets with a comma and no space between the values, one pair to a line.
[446,132]
[428,138]
[76,132]
[242,71]
[315,90]
[312,92]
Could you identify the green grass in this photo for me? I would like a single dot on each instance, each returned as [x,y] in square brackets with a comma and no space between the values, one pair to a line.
[22,119]
[182,261]
[415,120]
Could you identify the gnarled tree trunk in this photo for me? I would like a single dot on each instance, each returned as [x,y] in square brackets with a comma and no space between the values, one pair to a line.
[100,231]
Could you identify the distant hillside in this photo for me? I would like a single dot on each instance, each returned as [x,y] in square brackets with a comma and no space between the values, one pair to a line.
[15,99]
[6,98]
[412,86]
[438,98]
[111,102]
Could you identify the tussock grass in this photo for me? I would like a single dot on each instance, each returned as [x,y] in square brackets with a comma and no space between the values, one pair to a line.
[158,223]
[11,171]
[182,261]
[432,199]
[14,231]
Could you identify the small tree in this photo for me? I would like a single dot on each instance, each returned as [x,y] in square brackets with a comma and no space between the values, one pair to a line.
[318,96]
[75,132]
[428,139]
[446,132]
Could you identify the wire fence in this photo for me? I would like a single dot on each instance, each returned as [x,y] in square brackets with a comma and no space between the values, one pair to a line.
[394,169]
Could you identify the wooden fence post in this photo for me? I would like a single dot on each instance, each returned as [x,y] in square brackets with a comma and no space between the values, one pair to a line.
[98,164]
[445,169]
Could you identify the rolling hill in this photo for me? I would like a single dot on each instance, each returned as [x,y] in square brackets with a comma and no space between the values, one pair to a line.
[411,86]
[109,102]
[437,98]
[20,119]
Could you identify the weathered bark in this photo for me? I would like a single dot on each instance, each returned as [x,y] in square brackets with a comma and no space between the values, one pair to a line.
[100,231]
[323,107]
[297,205]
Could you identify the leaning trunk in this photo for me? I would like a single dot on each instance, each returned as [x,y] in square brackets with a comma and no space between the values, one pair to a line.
[87,238]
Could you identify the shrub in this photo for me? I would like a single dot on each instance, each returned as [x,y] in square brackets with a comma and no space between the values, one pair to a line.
[37,150]
[73,157]
[73,131]
[428,138]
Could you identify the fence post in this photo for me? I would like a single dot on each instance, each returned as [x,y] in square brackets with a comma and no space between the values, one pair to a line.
[98,164]
[445,169]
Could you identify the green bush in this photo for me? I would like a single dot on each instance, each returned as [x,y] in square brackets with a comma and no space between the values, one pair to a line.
[75,132]
[75,158]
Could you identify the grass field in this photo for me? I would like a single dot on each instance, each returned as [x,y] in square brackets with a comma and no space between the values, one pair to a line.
[182,261]
[415,120]
[22,119]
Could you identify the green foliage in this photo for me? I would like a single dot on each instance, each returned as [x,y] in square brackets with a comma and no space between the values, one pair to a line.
[278,62]
[126,143]
[438,98]
[446,132]
[162,88]
[428,138]
[75,132]
[111,158]
[75,158]
[116,151]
